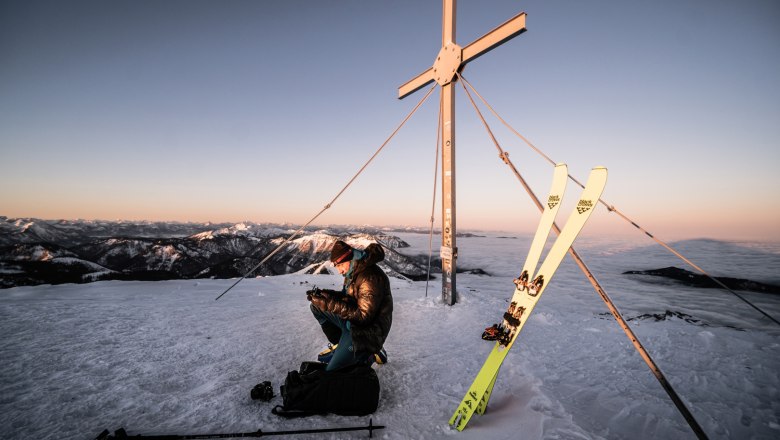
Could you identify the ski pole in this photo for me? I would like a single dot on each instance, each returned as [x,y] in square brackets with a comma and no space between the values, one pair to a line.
[121,434]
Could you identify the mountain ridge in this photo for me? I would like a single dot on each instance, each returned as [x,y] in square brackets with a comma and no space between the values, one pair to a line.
[34,251]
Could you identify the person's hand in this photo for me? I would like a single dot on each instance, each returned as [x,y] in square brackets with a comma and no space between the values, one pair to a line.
[319,297]
[318,292]
[319,301]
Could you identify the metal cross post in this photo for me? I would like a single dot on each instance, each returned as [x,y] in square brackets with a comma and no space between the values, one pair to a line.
[449,61]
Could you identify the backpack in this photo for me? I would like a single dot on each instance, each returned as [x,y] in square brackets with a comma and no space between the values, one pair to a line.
[349,391]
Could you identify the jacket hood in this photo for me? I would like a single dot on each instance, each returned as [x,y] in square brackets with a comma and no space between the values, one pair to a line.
[374,254]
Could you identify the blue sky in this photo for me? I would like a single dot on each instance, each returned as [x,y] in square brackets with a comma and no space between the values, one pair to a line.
[263,110]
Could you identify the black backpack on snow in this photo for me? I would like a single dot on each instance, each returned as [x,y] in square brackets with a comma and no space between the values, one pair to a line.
[350,391]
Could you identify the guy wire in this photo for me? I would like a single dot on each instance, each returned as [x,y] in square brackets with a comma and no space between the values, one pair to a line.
[433,201]
[294,234]
[610,208]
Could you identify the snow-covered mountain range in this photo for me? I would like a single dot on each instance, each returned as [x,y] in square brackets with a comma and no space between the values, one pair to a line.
[34,251]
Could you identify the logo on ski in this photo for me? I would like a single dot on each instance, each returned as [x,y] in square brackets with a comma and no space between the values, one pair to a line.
[584,206]
[553,200]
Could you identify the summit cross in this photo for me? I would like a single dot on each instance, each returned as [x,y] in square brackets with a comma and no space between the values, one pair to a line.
[451,60]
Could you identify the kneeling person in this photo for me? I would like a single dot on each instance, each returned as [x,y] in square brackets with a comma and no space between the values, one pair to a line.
[357,318]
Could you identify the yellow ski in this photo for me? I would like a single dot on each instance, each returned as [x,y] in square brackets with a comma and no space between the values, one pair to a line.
[529,288]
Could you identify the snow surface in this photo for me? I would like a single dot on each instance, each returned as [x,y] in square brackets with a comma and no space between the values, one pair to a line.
[165,358]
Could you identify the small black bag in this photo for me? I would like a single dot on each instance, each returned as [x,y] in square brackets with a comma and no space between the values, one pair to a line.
[350,391]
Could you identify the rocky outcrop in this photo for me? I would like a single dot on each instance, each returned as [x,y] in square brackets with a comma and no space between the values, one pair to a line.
[691,279]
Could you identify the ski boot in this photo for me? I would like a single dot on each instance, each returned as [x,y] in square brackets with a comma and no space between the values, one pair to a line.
[326,355]
[381,357]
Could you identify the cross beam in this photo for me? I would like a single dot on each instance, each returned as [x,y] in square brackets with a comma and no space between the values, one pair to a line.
[504,32]
[450,60]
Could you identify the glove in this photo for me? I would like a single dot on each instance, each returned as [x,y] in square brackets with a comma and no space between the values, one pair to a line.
[319,301]
[321,294]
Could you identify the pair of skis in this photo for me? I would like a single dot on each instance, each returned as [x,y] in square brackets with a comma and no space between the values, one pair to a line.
[531,284]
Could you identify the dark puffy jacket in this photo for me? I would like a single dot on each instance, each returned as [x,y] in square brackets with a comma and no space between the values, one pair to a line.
[368,305]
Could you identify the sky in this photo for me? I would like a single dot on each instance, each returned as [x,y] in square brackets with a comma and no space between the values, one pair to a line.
[263,110]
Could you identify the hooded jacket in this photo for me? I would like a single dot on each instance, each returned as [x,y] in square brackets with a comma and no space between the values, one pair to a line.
[368,303]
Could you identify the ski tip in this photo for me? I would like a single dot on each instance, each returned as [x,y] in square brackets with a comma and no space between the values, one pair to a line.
[599,167]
